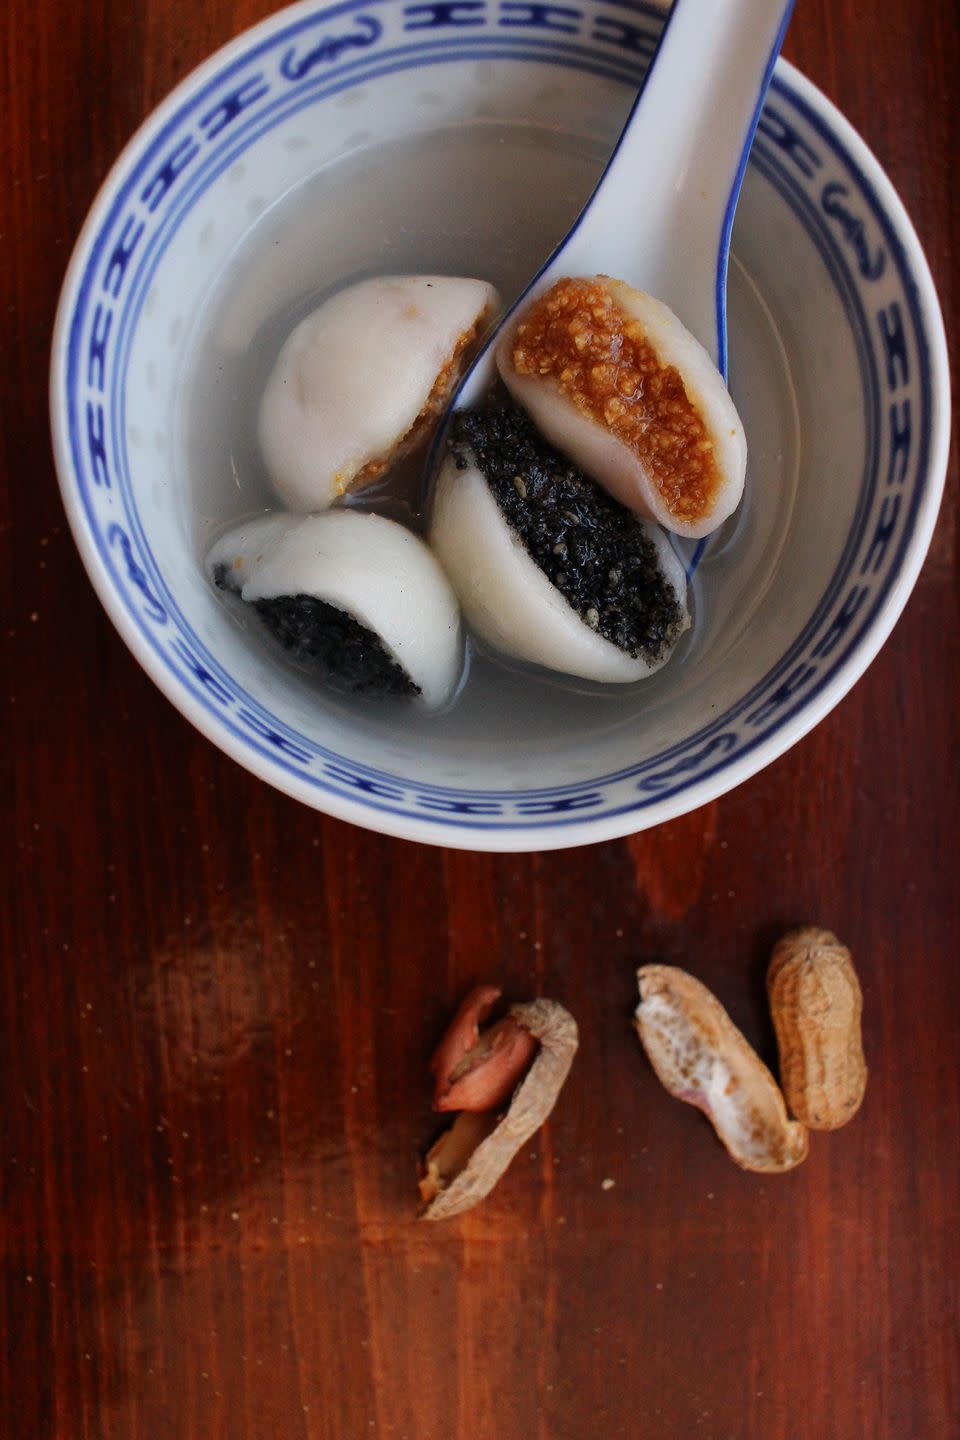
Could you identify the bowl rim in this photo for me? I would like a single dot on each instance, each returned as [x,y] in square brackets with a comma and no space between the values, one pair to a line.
[438,829]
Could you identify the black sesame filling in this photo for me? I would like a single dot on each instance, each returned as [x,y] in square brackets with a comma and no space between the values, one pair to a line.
[225,579]
[594,550]
[328,640]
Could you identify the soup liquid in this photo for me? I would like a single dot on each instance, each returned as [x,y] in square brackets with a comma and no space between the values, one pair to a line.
[486,200]
[421,205]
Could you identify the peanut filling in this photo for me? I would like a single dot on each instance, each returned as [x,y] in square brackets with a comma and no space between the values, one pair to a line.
[576,336]
[435,404]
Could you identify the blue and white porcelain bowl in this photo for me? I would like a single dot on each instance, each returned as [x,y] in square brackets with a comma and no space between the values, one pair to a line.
[462,136]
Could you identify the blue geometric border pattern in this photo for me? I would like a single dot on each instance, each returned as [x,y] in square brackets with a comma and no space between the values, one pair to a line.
[322,54]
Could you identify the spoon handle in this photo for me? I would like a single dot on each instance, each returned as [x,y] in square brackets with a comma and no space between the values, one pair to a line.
[662,212]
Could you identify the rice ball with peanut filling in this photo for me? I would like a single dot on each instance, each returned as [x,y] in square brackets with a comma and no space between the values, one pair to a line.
[614,379]
[362,378]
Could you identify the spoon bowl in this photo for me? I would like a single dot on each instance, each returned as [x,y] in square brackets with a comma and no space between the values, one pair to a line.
[662,212]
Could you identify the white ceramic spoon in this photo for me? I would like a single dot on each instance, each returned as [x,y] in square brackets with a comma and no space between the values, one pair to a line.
[661,214]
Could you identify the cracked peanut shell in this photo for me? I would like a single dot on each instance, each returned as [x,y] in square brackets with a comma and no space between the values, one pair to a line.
[467,1161]
[701,1057]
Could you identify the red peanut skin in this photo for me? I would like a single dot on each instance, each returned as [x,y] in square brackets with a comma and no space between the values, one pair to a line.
[503,1053]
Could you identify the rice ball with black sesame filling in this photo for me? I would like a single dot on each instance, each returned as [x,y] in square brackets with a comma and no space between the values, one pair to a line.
[548,567]
[355,597]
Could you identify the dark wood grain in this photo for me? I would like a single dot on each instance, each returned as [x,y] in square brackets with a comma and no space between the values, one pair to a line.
[217,1007]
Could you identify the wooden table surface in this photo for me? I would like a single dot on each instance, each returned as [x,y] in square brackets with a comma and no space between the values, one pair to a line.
[217,1006]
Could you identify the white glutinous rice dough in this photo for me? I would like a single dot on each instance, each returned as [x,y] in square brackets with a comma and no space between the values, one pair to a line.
[240,550]
[359,379]
[615,381]
[355,596]
[548,568]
